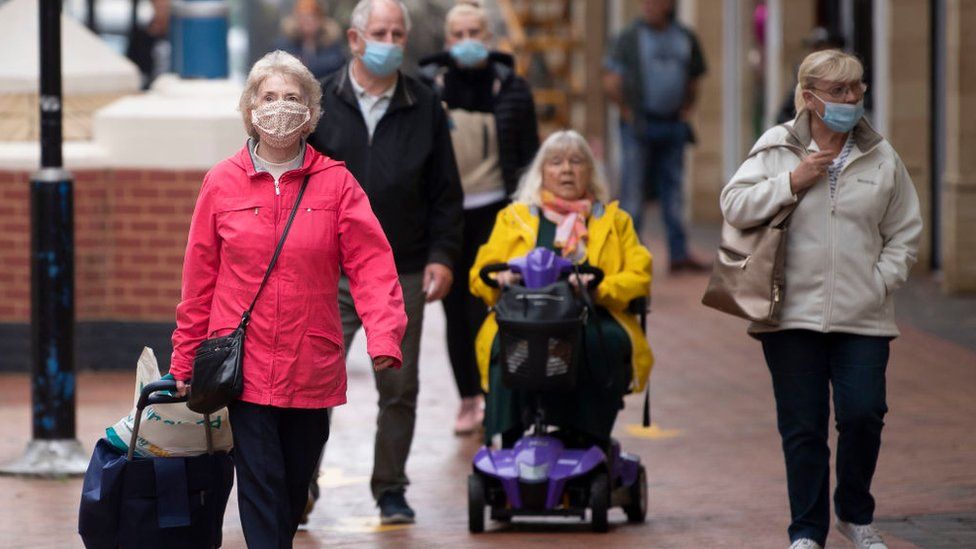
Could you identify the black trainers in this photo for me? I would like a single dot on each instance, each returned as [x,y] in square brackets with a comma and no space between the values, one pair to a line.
[394,509]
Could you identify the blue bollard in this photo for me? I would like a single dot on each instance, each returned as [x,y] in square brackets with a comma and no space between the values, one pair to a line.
[198,33]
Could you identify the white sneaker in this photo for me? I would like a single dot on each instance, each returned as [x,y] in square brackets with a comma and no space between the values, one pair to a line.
[864,536]
[805,543]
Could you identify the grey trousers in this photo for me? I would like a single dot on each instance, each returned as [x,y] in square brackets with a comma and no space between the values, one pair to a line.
[397,388]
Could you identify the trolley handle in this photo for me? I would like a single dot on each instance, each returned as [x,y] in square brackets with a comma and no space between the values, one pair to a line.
[154,393]
[489,269]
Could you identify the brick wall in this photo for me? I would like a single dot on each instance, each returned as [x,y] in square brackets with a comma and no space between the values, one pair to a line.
[130,233]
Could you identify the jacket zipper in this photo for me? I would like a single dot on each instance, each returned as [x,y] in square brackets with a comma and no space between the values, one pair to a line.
[832,245]
[831,250]
[274,343]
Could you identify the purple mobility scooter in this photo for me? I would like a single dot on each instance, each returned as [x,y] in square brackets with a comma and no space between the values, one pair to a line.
[540,331]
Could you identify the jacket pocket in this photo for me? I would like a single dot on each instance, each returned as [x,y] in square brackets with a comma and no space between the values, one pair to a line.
[882,288]
[244,226]
[321,364]
[314,228]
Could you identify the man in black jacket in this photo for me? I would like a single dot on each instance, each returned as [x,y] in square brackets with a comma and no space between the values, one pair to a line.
[392,134]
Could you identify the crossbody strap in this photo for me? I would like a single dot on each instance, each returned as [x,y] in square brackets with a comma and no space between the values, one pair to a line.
[246,317]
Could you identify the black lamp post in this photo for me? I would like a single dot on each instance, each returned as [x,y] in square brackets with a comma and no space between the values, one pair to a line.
[53,450]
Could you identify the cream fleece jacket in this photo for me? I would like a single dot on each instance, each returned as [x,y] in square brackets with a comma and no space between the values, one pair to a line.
[844,255]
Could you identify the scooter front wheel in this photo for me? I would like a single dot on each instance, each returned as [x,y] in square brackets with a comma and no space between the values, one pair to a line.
[476,503]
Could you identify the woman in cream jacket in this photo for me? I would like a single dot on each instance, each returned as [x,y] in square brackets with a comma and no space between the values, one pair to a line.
[852,240]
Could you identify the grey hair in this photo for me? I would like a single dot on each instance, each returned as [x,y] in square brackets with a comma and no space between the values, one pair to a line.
[287,65]
[362,11]
[567,140]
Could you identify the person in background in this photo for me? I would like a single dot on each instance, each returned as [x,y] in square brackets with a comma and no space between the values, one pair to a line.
[392,133]
[652,75]
[294,368]
[313,37]
[143,40]
[495,136]
[853,238]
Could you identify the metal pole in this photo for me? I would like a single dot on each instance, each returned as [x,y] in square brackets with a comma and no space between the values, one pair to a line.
[54,451]
[52,305]
[50,85]
[90,16]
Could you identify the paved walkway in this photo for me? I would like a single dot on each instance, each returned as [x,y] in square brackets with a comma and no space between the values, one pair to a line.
[713,456]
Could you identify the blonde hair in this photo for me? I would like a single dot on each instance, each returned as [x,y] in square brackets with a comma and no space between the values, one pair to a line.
[462,8]
[832,65]
[279,63]
[530,184]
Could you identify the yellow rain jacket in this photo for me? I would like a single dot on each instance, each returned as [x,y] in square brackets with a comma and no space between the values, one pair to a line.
[613,246]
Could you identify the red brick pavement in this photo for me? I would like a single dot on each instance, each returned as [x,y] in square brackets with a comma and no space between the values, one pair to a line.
[715,467]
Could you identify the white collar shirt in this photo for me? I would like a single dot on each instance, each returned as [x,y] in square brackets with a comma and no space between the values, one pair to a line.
[373,107]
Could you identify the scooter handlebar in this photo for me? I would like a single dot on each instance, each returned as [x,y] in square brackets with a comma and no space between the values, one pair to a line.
[489,269]
[588,269]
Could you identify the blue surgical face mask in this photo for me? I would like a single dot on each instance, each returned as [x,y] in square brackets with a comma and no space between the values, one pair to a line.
[469,53]
[382,58]
[841,117]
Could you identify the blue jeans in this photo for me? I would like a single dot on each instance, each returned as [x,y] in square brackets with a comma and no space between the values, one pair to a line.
[658,153]
[804,365]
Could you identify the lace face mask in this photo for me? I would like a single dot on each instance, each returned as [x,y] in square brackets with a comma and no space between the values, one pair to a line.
[279,122]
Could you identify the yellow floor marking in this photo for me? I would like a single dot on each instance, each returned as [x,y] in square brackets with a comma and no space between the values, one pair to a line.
[363,525]
[334,477]
[654,432]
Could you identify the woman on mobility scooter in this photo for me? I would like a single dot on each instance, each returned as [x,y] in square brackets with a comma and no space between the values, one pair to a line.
[561,205]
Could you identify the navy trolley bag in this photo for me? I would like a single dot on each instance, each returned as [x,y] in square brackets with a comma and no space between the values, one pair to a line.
[130,501]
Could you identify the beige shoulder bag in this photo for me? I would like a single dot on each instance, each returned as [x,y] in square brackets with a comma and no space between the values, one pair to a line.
[748,275]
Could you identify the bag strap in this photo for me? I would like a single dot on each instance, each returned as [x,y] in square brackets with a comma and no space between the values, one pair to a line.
[246,317]
[782,217]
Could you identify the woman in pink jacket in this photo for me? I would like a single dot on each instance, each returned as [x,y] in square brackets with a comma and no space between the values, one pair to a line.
[294,368]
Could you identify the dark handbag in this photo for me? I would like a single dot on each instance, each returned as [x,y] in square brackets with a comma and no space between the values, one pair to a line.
[218,376]
[749,273]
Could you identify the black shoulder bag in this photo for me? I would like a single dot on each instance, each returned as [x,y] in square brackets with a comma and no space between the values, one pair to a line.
[218,377]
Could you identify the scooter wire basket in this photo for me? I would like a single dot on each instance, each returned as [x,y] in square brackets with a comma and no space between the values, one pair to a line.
[540,356]
[540,324]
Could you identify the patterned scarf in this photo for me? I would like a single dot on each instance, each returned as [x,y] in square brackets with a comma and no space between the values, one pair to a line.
[570,219]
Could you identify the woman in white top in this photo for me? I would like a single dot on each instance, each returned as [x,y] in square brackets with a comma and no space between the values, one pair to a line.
[852,240]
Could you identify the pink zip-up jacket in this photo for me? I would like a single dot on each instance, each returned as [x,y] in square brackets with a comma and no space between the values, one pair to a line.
[293,350]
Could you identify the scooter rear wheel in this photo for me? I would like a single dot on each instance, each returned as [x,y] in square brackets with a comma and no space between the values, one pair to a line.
[636,508]
[599,502]
[476,503]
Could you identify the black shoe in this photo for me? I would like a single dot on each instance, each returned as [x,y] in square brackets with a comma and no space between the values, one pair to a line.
[394,509]
[313,496]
